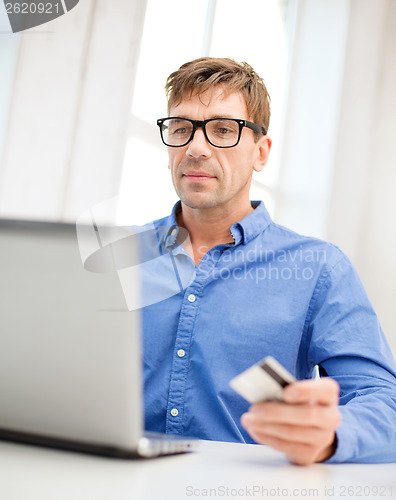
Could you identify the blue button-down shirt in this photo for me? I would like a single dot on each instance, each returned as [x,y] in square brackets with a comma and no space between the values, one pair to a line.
[269,292]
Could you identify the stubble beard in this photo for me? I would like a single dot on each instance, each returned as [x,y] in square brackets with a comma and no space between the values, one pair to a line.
[197,195]
[198,198]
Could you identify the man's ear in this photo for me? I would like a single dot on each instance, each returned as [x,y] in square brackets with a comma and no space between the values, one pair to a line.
[263,150]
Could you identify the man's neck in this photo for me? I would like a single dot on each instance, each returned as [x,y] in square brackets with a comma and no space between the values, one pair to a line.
[209,227]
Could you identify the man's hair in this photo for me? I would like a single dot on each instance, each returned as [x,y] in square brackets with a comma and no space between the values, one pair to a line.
[195,77]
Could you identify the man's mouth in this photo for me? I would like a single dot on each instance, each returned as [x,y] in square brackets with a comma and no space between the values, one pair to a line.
[198,176]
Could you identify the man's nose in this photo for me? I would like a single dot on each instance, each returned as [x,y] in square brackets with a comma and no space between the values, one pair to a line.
[199,146]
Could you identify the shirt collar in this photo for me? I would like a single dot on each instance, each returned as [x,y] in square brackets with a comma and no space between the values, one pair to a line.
[252,225]
[243,231]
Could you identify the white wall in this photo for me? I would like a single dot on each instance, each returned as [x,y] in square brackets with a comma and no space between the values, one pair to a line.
[312,113]
[9,45]
[363,202]
[338,168]
[68,118]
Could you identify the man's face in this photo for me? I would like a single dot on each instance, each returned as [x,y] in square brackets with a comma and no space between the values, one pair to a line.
[205,176]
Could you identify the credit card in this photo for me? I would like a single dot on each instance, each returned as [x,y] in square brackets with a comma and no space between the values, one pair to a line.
[263,381]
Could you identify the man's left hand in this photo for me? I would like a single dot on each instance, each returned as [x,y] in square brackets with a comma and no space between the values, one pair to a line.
[303,426]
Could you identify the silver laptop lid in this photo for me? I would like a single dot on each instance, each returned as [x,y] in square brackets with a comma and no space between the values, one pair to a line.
[70,360]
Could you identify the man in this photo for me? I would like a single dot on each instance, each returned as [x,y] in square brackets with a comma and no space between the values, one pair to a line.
[256,289]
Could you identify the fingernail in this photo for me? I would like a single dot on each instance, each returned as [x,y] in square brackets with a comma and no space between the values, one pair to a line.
[291,393]
[246,419]
[258,408]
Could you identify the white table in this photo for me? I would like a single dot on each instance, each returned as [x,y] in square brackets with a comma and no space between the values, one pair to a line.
[216,470]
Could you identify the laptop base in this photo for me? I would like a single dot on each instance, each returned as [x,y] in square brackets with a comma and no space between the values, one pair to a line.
[149,446]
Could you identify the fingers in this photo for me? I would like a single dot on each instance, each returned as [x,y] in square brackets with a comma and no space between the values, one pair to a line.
[324,391]
[303,415]
[292,433]
[303,426]
[298,453]
[302,444]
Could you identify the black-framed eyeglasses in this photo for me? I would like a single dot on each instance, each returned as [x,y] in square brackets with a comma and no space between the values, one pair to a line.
[177,132]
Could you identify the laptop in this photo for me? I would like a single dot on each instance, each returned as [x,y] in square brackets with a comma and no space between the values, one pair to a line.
[70,349]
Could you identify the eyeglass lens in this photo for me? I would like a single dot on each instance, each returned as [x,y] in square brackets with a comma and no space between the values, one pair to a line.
[220,132]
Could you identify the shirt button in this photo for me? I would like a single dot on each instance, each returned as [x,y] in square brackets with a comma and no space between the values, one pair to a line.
[174,412]
[191,297]
[181,353]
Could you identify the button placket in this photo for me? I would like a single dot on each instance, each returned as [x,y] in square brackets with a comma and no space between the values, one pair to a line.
[180,364]
[181,360]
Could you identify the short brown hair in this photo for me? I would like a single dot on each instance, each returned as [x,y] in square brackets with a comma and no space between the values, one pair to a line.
[199,75]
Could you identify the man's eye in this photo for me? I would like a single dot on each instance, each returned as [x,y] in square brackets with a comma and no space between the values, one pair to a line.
[221,128]
[224,131]
[180,131]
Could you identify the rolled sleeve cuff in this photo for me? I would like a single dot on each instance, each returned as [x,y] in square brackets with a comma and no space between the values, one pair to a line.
[346,440]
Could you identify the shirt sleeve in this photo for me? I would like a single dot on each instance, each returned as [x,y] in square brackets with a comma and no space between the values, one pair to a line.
[344,337]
